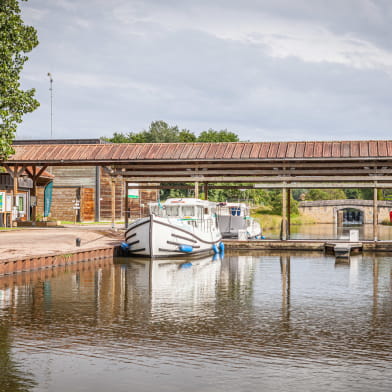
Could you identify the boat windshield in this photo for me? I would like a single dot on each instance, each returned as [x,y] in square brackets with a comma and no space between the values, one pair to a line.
[194,211]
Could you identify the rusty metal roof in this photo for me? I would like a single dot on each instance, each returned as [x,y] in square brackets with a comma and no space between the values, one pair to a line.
[115,153]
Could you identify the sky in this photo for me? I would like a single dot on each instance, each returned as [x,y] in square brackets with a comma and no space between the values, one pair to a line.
[265,69]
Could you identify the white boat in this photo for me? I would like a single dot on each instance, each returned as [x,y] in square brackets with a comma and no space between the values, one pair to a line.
[176,227]
[234,220]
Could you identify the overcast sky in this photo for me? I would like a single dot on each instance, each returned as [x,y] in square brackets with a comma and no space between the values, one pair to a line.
[265,69]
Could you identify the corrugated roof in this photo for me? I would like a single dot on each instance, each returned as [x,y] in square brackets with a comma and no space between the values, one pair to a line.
[310,150]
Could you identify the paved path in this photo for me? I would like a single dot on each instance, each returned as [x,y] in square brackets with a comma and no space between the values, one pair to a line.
[42,241]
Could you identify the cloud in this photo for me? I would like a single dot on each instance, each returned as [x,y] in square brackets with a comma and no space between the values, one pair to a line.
[276,70]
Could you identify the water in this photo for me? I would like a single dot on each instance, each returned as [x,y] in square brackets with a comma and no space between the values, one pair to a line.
[327,231]
[256,322]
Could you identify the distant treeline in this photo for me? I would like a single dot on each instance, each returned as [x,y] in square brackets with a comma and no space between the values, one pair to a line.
[161,132]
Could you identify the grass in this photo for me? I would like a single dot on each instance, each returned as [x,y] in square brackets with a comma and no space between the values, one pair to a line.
[268,220]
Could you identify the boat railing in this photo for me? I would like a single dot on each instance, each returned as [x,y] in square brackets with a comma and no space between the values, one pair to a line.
[205,224]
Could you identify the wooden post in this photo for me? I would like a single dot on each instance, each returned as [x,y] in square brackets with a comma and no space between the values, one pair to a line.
[375,214]
[206,191]
[283,235]
[126,204]
[196,190]
[34,194]
[285,271]
[288,212]
[113,192]
[14,195]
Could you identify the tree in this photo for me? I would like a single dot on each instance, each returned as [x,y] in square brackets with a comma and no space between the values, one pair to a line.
[325,194]
[16,39]
[212,136]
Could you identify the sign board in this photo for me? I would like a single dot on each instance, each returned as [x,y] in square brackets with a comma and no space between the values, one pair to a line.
[2,201]
[133,193]
[8,203]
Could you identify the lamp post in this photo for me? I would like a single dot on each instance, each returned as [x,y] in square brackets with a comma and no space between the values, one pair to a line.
[51,104]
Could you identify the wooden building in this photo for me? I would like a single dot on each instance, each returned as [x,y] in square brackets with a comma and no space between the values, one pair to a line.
[24,198]
[83,193]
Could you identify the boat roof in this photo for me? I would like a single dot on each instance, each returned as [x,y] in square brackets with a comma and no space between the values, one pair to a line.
[188,201]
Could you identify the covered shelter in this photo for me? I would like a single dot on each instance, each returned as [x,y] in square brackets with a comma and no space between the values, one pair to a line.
[282,165]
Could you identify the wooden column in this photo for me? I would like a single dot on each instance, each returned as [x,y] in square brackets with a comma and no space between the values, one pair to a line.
[196,190]
[113,193]
[206,191]
[375,214]
[126,206]
[288,212]
[283,234]
[14,195]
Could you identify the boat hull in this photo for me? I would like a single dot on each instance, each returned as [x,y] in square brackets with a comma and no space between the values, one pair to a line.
[230,225]
[159,237]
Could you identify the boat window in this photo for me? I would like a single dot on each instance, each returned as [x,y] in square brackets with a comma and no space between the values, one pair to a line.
[235,211]
[188,210]
[205,210]
[199,212]
[172,211]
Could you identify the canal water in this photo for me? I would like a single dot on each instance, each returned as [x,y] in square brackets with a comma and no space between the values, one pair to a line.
[247,322]
[326,231]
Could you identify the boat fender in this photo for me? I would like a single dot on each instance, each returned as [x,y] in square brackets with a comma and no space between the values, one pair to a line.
[221,247]
[186,248]
[215,248]
[124,246]
[186,265]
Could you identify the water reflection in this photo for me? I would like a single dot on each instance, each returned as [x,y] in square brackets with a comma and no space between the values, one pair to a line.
[328,231]
[208,324]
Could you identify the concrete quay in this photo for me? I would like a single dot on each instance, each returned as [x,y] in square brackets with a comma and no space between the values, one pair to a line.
[31,249]
[302,245]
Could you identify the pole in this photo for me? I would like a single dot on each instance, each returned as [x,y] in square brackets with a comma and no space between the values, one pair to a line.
[375,214]
[284,215]
[113,192]
[14,196]
[206,191]
[51,104]
[288,212]
[196,190]
[126,204]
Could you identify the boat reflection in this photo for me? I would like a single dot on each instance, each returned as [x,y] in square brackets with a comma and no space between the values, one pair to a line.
[178,288]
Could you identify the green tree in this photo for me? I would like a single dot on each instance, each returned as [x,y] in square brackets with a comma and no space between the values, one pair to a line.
[325,194]
[212,136]
[16,39]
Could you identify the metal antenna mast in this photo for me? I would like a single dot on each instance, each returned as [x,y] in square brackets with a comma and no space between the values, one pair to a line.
[51,104]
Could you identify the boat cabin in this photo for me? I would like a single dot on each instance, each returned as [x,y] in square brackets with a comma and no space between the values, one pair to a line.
[184,209]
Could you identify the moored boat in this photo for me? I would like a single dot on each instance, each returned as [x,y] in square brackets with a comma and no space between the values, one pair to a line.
[234,219]
[177,227]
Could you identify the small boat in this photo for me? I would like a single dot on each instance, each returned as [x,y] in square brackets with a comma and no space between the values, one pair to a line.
[234,221]
[177,227]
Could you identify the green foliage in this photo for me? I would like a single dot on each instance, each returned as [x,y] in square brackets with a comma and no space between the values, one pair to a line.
[325,194]
[212,136]
[275,202]
[16,39]
[161,132]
